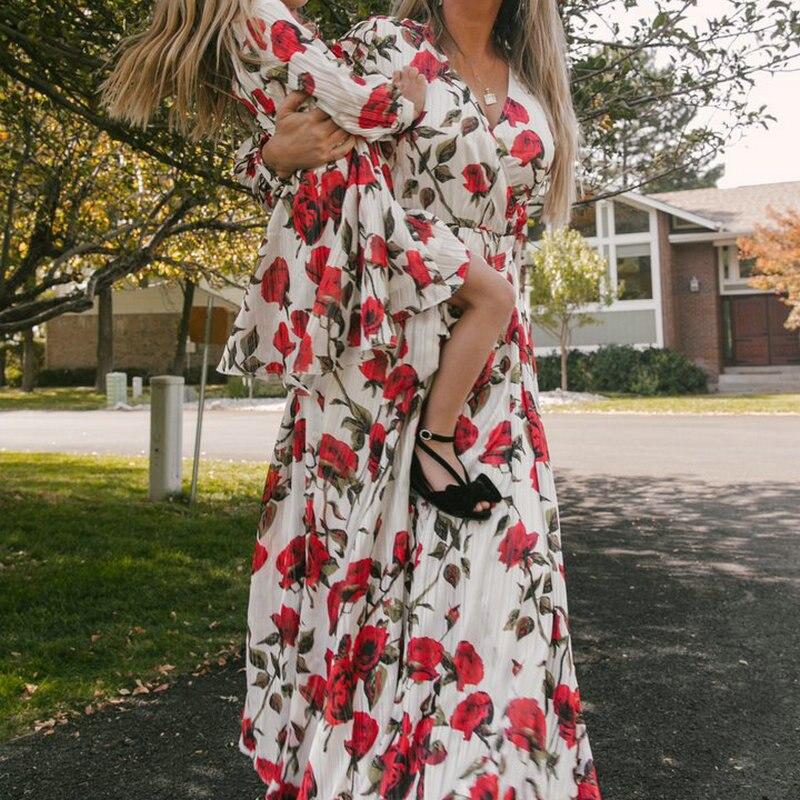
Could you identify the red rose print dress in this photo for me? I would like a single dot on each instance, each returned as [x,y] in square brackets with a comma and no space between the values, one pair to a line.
[394,651]
[342,264]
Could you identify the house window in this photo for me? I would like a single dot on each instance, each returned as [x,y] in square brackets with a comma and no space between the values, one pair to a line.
[634,272]
[746,267]
[628,219]
[584,220]
[735,271]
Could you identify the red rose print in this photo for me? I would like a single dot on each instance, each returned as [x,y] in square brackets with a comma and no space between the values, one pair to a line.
[515,112]
[315,266]
[528,728]
[288,624]
[379,111]
[427,63]
[378,252]
[307,209]
[365,731]
[399,385]
[286,791]
[308,786]
[471,713]
[536,428]
[372,316]
[517,546]
[275,282]
[336,458]
[248,737]
[397,774]
[304,355]
[361,172]
[271,483]
[374,369]
[313,691]
[588,788]
[527,147]
[475,180]
[299,439]
[485,788]
[468,664]
[567,705]
[282,340]
[333,187]
[264,100]
[256,28]
[401,552]
[351,589]
[329,292]
[466,434]
[286,40]
[422,227]
[268,771]
[498,445]
[368,649]
[306,83]
[422,658]
[318,556]
[417,269]
[339,692]
[260,556]
[291,562]
[377,439]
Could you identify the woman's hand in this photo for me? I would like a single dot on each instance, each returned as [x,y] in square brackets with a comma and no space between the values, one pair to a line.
[304,139]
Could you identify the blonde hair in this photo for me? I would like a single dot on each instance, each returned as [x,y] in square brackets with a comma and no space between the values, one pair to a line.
[529,34]
[185,53]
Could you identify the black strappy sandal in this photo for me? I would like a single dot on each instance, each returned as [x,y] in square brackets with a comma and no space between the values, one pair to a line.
[459,499]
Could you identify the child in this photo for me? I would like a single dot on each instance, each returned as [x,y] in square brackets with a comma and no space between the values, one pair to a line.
[342,264]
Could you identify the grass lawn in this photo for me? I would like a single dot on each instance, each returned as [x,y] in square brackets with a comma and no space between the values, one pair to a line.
[100,588]
[690,404]
[86,399]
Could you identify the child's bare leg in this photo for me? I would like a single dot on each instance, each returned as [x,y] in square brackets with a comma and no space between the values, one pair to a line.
[487,300]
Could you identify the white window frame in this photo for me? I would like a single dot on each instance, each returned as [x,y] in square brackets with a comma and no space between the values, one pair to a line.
[736,284]
[604,210]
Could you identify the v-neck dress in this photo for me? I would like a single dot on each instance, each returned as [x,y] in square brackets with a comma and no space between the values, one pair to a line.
[394,651]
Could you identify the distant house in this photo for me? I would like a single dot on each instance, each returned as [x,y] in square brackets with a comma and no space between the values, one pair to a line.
[145,329]
[685,286]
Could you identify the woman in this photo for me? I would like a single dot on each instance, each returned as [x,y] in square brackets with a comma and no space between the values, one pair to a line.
[394,651]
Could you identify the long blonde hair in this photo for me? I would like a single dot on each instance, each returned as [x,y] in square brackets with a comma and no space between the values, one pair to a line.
[185,53]
[529,34]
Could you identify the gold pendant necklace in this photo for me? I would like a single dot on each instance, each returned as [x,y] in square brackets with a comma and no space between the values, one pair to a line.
[489,97]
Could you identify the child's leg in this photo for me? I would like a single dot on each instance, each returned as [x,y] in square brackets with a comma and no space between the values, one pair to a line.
[487,300]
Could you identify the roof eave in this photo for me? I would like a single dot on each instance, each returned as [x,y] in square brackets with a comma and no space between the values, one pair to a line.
[667,208]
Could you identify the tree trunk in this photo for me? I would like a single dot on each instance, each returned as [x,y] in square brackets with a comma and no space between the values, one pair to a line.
[179,360]
[105,337]
[564,341]
[28,361]
[3,351]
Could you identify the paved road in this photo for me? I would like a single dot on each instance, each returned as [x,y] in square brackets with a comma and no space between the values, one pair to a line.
[760,449]
[683,599]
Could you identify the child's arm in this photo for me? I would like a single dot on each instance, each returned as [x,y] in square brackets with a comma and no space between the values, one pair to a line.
[370,106]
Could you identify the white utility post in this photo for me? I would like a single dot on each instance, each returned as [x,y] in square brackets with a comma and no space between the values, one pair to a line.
[202,401]
[116,388]
[137,386]
[166,435]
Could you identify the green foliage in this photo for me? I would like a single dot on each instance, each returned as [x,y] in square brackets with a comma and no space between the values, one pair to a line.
[624,369]
[100,588]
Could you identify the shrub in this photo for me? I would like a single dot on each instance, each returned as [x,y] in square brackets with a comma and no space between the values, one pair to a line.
[624,369]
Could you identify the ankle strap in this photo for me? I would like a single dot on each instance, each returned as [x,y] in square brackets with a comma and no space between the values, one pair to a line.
[426,434]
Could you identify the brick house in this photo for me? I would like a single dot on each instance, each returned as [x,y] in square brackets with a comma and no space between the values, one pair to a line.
[145,329]
[685,286]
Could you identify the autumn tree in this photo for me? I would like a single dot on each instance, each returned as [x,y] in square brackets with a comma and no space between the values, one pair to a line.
[776,250]
[567,278]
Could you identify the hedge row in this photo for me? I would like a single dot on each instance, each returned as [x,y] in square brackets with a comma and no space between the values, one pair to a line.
[619,368]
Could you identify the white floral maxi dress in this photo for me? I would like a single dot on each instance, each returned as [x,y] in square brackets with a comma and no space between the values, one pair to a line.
[342,264]
[393,651]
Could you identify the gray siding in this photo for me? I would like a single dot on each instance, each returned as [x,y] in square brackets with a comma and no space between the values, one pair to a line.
[615,327]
